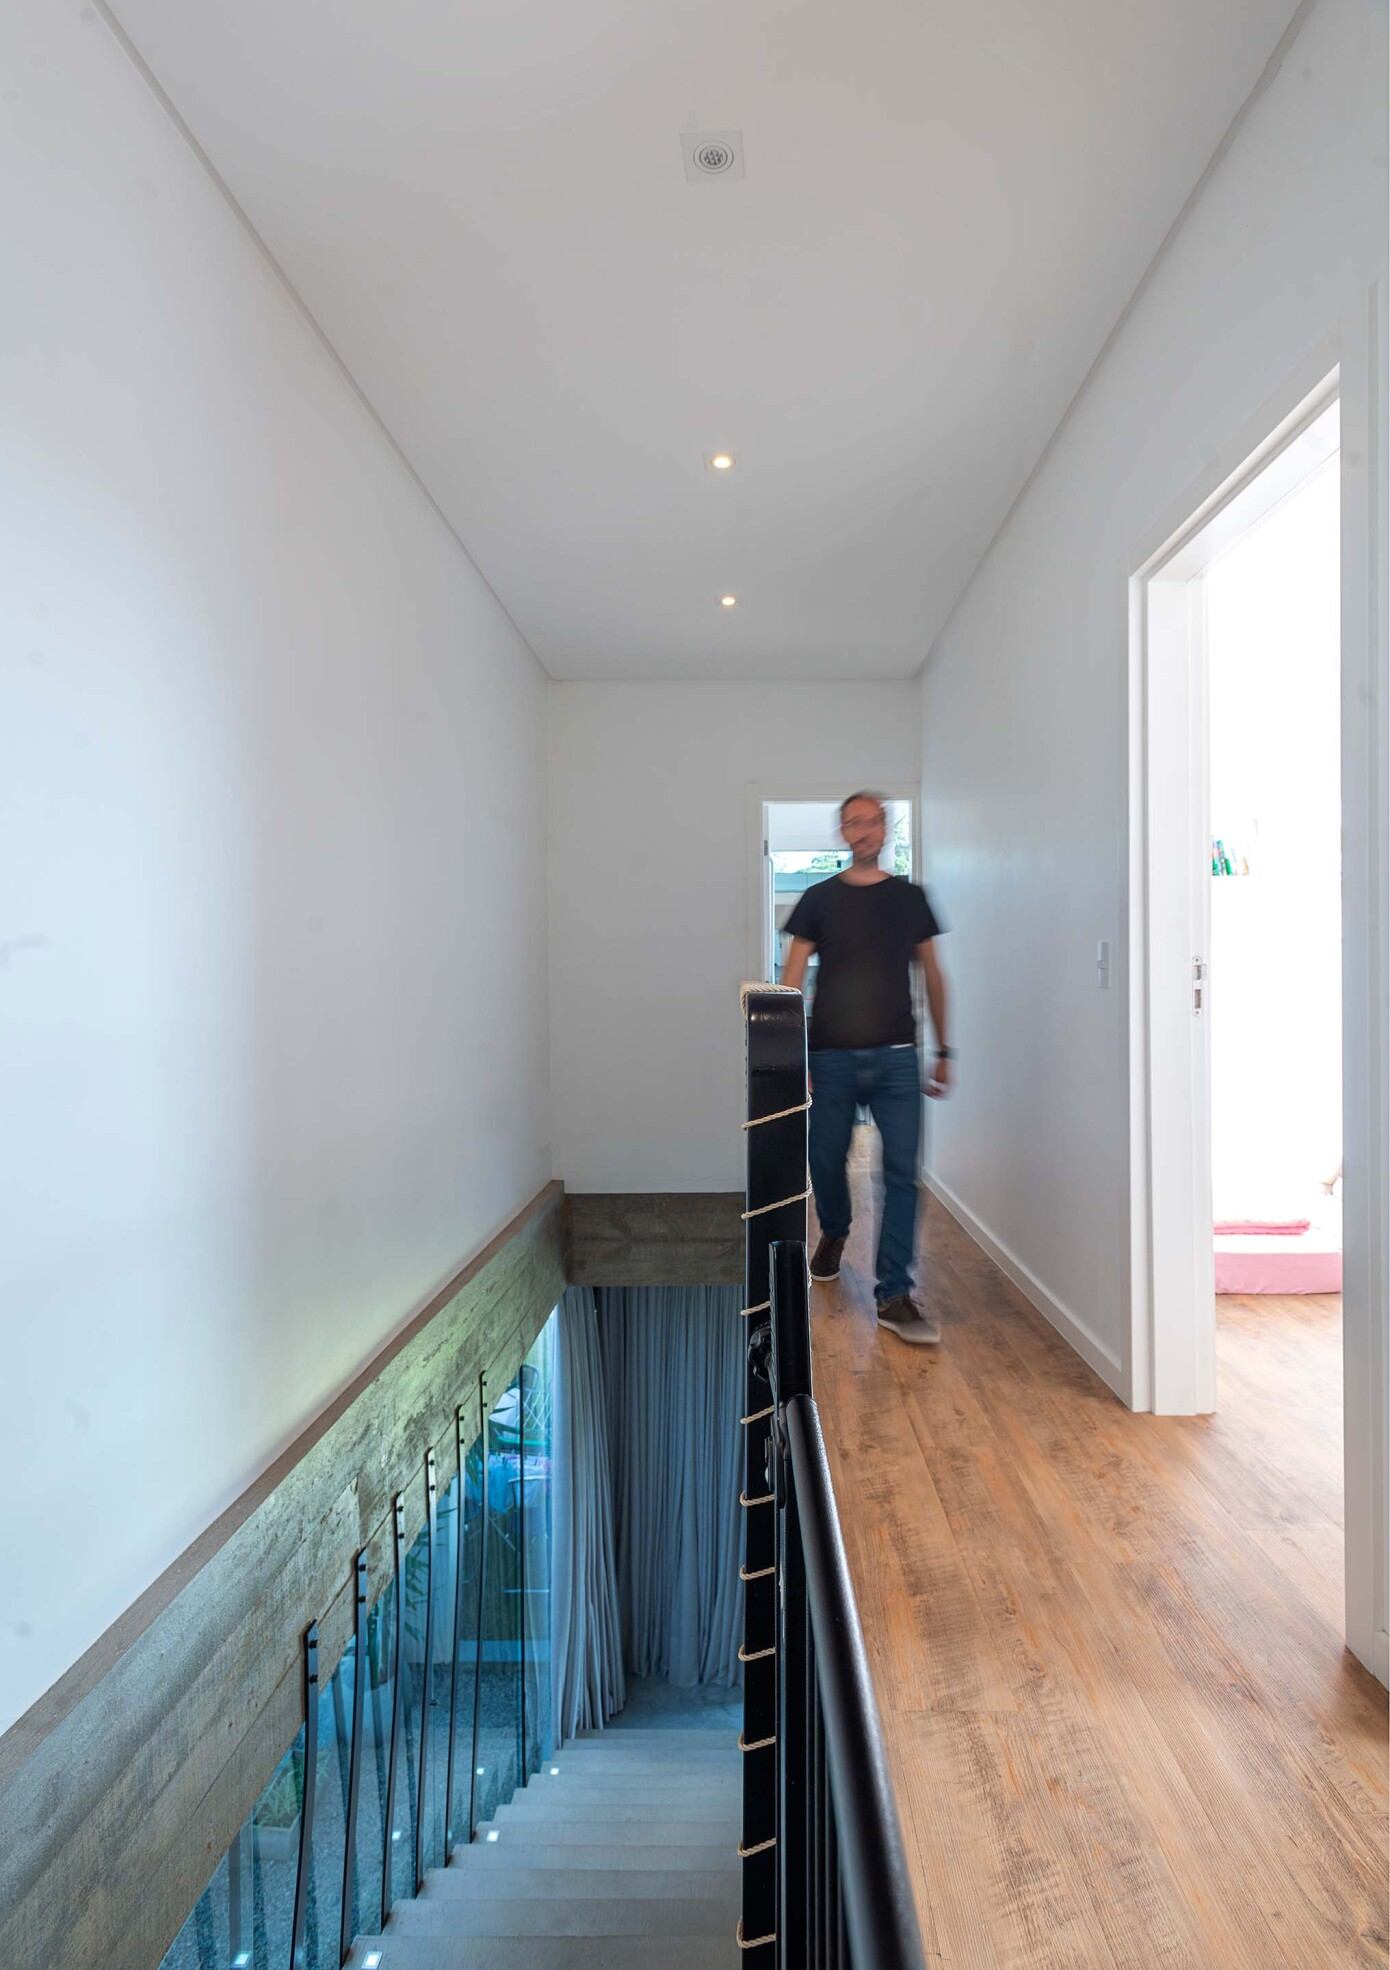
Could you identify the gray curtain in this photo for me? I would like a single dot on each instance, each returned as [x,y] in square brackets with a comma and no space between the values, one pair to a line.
[586,1660]
[673,1365]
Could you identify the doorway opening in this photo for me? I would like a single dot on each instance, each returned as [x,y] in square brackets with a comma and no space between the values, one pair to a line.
[1273,678]
[1237,985]
[801,846]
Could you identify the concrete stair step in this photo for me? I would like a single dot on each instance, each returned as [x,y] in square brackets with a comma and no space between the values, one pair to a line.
[641,1830]
[646,1764]
[544,1953]
[692,1740]
[651,1744]
[558,1810]
[603,1883]
[485,1856]
[720,1794]
[621,1778]
[483,1915]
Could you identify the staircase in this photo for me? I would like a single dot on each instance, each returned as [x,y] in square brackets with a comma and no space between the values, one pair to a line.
[621,1852]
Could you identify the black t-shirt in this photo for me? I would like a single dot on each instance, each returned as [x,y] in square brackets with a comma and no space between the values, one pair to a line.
[866,936]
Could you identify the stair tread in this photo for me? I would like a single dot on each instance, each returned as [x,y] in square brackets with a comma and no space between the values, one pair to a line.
[616,1733]
[589,1792]
[633,1855]
[594,1915]
[641,1830]
[543,1953]
[603,1764]
[659,1779]
[552,1883]
[616,1812]
[715,1744]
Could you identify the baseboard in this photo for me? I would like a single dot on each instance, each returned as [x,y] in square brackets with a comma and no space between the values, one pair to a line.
[1380,1667]
[1078,1336]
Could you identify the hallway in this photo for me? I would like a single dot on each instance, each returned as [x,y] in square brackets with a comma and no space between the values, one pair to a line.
[1107,1647]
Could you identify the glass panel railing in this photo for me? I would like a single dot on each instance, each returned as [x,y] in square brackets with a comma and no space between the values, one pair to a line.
[274,1835]
[410,1642]
[437,1709]
[499,1677]
[244,1917]
[324,1905]
[438,1691]
[465,1742]
[206,1939]
[536,1409]
[378,1710]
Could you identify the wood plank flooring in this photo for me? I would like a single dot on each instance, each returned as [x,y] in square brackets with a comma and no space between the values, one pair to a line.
[1107,1647]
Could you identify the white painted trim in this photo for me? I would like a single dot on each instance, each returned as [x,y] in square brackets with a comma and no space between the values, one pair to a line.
[1261,439]
[1359,354]
[1074,1332]
[1366,979]
[1171,1331]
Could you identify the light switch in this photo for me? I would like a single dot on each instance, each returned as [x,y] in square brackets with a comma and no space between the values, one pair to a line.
[1103,965]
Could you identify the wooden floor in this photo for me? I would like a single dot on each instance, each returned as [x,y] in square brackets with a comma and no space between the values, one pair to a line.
[1107,1647]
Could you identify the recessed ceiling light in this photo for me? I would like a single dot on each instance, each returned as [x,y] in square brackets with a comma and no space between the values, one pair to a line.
[728,601]
[720,461]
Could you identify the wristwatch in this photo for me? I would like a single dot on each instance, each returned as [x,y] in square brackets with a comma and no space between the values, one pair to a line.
[945,1053]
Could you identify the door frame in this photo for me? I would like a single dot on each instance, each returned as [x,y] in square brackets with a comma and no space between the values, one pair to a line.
[1170,1365]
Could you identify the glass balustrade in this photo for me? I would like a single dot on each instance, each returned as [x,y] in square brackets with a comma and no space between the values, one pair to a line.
[440,1693]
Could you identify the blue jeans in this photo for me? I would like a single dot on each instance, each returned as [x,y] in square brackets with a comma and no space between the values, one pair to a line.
[884,1080]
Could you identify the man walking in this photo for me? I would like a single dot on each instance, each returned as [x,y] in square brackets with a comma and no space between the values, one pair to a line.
[869,928]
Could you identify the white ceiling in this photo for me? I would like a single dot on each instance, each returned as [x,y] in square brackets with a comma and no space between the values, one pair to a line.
[945,208]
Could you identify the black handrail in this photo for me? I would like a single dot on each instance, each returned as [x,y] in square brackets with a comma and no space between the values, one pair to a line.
[825,1879]
[881,1916]
[837,1796]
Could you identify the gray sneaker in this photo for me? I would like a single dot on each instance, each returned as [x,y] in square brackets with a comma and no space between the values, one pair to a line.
[902,1316]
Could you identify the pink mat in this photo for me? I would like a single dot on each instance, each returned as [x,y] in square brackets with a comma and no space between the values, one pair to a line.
[1263,1228]
[1275,1271]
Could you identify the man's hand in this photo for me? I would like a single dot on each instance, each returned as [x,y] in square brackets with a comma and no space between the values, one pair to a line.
[938,1081]
[798,957]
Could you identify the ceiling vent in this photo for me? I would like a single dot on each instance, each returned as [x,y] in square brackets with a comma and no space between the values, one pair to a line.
[711,154]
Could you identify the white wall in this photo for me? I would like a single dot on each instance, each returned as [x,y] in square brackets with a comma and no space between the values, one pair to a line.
[272,1001]
[649,922]
[1024,695]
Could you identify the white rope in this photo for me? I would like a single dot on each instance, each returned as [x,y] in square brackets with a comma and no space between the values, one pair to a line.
[760,1573]
[781,1115]
[763,1209]
[758,1744]
[763,985]
[763,1306]
[746,1853]
[758,1655]
[745,1500]
[758,1415]
[757,1942]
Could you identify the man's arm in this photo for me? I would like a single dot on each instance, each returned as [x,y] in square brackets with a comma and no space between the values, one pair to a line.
[798,957]
[940,1077]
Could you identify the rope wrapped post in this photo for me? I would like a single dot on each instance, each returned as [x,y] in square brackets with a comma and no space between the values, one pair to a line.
[774,1211]
[796,1697]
